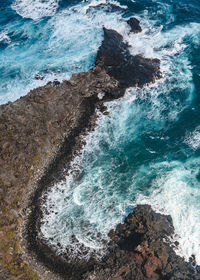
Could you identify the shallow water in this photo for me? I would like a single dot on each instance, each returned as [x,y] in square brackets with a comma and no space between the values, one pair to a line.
[147,150]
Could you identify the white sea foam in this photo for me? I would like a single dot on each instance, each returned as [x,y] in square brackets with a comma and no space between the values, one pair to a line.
[81,32]
[4,37]
[94,3]
[16,90]
[35,9]
[193,139]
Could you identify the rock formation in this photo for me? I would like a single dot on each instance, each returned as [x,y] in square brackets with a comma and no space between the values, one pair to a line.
[140,249]
[135,25]
[38,134]
[114,56]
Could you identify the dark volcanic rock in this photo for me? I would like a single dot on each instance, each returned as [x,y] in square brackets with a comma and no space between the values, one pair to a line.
[135,25]
[138,251]
[114,56]
[37,135]
[39,77]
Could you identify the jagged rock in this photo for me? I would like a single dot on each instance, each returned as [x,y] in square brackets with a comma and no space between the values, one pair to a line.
[138,251]
[56,83]
[135,25]
[39,77]
[114,56]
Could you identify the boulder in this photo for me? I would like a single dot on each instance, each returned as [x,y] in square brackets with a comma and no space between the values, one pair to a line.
[135,25]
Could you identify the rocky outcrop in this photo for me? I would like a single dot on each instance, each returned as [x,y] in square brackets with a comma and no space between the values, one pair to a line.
[114,56]
[135,25]
[140,249]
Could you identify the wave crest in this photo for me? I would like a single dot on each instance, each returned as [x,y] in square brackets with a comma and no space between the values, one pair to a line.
[35,9]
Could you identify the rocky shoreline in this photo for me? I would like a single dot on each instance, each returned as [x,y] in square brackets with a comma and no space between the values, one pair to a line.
[140,248]
[39,136]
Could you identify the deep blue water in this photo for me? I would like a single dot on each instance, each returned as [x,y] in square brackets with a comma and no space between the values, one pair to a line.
[148,149]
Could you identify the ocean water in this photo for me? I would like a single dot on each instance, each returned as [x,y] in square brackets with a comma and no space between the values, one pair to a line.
[147,150]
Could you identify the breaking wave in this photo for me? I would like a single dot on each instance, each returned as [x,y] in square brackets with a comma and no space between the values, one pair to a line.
[35,9]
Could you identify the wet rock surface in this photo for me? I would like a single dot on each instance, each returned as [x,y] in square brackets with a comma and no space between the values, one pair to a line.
[114,56]
[39,133]
[135,25]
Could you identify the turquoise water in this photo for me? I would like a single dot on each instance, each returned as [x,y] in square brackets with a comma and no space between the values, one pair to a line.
[147,150]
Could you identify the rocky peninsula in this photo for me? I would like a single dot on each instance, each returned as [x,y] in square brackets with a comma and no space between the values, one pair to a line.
[39,136]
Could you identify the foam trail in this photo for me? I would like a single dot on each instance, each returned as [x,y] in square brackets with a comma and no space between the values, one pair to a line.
[4,37]
[35,9]
[193,139]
